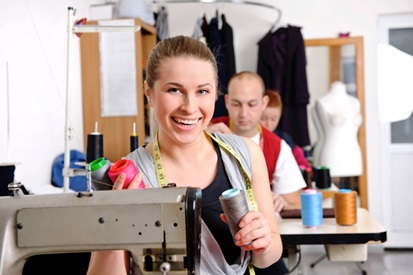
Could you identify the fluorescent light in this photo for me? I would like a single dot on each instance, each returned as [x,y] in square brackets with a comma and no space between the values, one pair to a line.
[99,28]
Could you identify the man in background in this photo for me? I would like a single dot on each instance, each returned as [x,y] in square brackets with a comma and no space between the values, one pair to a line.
[245,102]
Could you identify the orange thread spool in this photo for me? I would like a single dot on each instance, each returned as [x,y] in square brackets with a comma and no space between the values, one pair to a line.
[345,207]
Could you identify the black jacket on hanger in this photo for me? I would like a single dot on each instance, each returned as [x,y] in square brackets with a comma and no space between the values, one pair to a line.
[282,65]
[227,40]
[221,43]
[215,44]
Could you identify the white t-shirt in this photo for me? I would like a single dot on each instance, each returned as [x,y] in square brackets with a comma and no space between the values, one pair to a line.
[287,177]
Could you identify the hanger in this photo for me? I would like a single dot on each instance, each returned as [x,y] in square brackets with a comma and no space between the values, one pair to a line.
[278,24]
[278,10]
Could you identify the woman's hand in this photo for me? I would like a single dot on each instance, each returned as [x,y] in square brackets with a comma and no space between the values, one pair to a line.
[134,184]
[255,232]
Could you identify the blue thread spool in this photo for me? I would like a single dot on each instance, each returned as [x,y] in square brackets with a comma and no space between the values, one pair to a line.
[230,193]
[311,208]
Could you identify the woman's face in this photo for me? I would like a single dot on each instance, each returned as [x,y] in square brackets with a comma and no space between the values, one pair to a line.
[270,118]
[183,97]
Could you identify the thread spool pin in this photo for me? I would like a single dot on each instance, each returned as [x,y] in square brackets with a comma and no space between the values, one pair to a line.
[134,140]
[94,145]
[99,173]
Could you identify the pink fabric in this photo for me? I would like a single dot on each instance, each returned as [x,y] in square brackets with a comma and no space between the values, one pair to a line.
[298,153]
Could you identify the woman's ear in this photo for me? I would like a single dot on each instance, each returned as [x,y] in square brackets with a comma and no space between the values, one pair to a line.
[147,92]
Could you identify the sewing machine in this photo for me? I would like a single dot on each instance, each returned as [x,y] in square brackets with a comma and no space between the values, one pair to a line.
[160,227]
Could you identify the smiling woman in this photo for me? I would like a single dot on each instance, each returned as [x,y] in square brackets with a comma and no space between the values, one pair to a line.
[179,109]
[181,88]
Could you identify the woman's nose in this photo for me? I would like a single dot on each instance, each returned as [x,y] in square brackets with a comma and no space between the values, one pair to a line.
[189,104]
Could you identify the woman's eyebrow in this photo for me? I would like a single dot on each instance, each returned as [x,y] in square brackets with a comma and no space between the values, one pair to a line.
[173,83]
[203,85]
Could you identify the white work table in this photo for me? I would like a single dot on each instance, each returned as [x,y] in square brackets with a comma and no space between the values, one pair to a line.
[342,243]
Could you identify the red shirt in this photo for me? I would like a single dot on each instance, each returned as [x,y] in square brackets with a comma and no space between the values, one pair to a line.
[271,147]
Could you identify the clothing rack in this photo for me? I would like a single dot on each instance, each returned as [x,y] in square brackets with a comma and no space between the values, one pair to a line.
[160,2]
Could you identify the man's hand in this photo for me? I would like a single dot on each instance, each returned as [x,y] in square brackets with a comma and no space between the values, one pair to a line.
[219,128]
[278,201]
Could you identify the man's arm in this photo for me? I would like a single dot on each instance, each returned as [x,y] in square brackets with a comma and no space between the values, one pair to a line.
[286,201]
[287,181]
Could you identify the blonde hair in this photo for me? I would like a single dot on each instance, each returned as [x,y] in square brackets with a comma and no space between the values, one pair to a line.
[177,46]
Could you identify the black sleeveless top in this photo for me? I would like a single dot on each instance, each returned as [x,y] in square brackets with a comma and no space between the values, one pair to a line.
[211,209]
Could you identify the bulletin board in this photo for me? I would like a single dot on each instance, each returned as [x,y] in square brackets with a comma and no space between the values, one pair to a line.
[116,130]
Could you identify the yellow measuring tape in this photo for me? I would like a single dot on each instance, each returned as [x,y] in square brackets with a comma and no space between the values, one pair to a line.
[161,176]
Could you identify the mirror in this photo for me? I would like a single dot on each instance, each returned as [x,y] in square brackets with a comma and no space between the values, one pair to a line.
[338,59]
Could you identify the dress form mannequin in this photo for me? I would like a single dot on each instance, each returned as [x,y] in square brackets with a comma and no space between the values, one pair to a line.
[339,119]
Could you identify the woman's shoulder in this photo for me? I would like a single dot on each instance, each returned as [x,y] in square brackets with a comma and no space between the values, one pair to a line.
[140,154]
[245,147]
[235,141]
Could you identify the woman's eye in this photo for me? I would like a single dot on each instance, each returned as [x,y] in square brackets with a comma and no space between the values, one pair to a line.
[173,90]
[203,91]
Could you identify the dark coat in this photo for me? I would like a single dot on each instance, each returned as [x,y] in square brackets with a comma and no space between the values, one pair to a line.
[282,65]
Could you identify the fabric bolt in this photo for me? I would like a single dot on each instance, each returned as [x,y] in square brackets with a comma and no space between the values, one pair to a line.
[298,152]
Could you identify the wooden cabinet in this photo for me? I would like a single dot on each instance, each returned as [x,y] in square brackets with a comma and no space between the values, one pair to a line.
[334,72]
[116,130]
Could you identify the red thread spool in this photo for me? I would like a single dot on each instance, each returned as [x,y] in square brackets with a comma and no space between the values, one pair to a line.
[126,166]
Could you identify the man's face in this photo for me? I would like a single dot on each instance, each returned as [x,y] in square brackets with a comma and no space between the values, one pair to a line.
[245,103]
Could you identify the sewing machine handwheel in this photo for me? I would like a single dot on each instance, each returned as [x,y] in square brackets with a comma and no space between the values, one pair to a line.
[165,267]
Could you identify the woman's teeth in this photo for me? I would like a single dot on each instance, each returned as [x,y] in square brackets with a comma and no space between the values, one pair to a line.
[187,122]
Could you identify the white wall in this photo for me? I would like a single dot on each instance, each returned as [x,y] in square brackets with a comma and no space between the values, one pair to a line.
[33,42]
